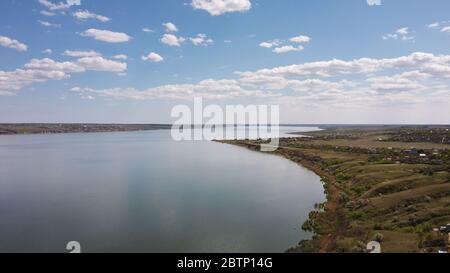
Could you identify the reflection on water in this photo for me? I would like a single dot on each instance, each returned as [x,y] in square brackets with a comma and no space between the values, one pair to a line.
[144,192]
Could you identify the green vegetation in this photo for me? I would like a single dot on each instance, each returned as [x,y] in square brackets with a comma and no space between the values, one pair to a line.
[380,186]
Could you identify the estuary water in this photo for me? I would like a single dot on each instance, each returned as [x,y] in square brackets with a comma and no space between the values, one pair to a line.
[144,192]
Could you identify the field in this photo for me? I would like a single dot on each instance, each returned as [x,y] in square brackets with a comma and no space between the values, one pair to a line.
[390,185]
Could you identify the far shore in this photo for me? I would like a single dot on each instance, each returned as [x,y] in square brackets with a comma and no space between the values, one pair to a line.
[65,128]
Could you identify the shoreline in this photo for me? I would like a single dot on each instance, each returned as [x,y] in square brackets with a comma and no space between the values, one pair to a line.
[57,128]
[66,128]
[325,241]
[389,186]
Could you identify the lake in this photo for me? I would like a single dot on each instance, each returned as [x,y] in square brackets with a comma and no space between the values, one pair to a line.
[144,192]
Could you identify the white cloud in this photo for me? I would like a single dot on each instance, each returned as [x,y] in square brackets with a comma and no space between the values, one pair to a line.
[145,29]
[201,40]
[265,45]
[101,64]
[42,70]
[48,24]
[401,33]
[36,71]
[315,85]
[423,77]
[207,89]
[153,57]
[337,67]
[74,2]
[438,70]
[418,78]
[11,82]
[14,44]
[172,40]
[281,47]
[61,5]
[85,14]
[445,29]
[120,57]
[95,63]
[81,54]
[374,2]
[170,27]
[267,82]
[434,25]
[300,39]
[47,51]
[390,36]
[47,64]
[219,7]
[288,48]
[47,13]
[106,35]
[270,44]
[394,83]
[413,79]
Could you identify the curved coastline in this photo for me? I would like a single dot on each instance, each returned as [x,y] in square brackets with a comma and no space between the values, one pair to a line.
[383,183]
[320,242]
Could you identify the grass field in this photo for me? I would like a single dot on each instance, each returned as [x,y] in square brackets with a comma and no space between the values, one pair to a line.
[379,187]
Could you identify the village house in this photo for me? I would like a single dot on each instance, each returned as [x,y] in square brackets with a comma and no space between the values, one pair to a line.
[445,229]
[412,152]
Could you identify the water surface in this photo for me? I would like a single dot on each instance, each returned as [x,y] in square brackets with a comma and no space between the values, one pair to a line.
[143,192]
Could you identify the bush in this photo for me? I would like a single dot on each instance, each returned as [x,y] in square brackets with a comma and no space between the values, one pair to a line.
[378,237]
[308,226]
[434,240]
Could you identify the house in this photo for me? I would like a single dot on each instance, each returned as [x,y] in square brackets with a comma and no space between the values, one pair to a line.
[445,229]
[411,152]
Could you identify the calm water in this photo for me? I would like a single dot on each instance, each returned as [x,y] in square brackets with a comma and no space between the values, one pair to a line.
[143,192]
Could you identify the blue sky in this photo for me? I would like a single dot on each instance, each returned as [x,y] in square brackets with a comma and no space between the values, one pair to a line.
[322,61]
